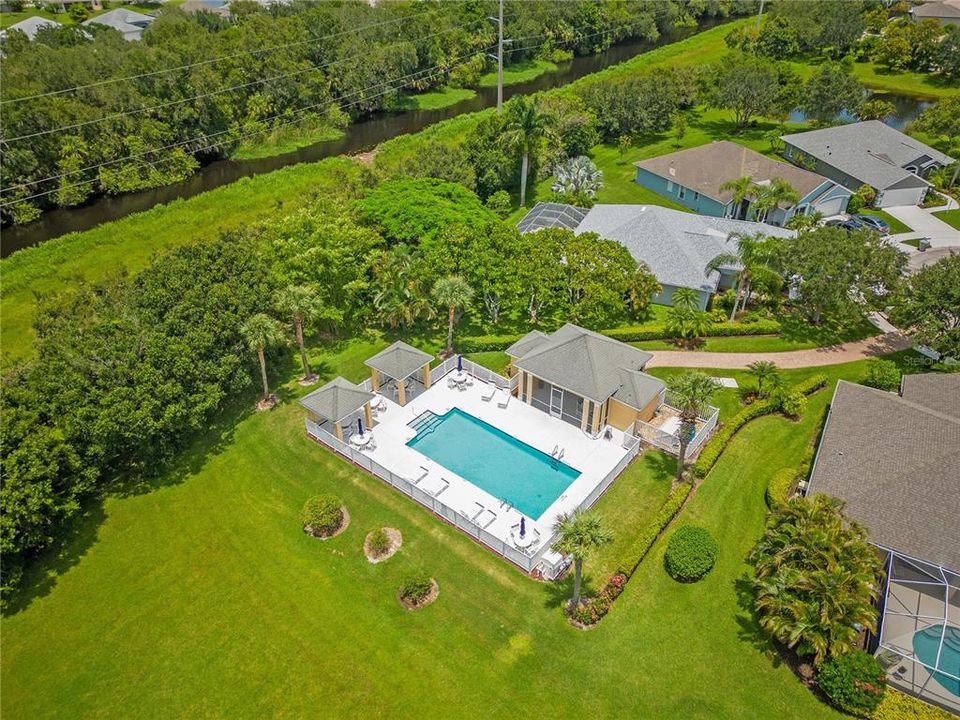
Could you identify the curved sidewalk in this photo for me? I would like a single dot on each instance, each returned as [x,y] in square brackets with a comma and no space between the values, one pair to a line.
[832,355]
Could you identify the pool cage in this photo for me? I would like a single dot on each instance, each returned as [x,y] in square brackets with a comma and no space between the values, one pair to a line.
[918,643]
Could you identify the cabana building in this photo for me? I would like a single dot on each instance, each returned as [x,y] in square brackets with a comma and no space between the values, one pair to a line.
[337,406]
[400,371]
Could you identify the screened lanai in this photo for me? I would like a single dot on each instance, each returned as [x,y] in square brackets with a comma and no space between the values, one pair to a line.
[400,372]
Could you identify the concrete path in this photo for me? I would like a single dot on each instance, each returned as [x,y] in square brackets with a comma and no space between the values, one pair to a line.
[925,224]
[919,260]
[816,357]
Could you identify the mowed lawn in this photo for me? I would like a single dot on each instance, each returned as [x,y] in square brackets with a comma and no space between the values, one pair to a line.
[200,596]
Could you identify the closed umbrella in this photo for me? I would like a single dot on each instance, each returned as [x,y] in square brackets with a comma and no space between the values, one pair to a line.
[360,425]
[523,526]
[459,363]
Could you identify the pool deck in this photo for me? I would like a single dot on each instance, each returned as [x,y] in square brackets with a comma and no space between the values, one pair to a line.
[593,458]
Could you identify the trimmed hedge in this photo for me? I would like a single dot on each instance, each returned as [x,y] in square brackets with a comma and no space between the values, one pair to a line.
[854,682]
[641,545]
[898,706]
[691,553]
[722,438]
[781,487]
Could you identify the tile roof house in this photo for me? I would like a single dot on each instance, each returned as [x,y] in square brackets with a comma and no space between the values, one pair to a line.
[128,23]
[946,12]
[869,153]
[31,26]
[675,245]
[694,178]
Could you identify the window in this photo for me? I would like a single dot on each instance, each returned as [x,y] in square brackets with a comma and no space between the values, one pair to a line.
[696,196]
[669,186]
[681,192]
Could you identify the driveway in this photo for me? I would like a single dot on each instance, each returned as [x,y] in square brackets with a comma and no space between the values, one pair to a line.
[925,224]
[919,260]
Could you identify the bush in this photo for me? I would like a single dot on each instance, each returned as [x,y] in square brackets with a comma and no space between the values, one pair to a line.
[500,203]
[378,542]
[415,587]
[781,487]
[898,706]
[854,682]
[641,545]
[322,515]
[690,554]
[592,610]
[883,375]
[793,404]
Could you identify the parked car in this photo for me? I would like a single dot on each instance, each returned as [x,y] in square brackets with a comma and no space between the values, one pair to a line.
[874,223]
[850,224]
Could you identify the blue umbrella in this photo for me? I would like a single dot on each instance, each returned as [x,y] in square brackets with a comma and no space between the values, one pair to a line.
[360,425]
[523,526]
[459,363]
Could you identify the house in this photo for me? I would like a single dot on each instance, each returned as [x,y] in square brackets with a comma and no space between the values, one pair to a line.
[128,23]
[894,459]
[585,378]
[675,245]
[869,153]
[945,12]
[695,178]
[31,26]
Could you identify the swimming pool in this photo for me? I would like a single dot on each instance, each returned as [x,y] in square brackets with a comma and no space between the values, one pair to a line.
[925,645]
[494,461]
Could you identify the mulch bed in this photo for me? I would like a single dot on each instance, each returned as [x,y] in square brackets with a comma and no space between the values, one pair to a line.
[396,540]
[326,535]
[423,602]
[309,380]
[267,404]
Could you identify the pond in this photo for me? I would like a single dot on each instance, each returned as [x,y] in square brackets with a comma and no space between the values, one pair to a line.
[908,109]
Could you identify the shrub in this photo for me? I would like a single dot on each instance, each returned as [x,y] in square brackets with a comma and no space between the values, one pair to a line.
[781,487]
[500,203]
[641,545]
[322,514]
[854,682]
[793,404]
[378,542]
[592,610]
[882,374]
[415,587]
[690,554]
[898,706]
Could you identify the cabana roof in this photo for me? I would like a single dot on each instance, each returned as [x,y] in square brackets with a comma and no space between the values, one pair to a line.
[336,400]
[399,361]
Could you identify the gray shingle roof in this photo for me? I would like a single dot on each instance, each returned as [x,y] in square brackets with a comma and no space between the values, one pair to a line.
[896,463]
[870,151]
[551,215]
[129,23]
[32,25]
[675,245]
[528,342]
[399,361]
[937,391]
[706,167]
[638,388]
[588,364]
[336,400]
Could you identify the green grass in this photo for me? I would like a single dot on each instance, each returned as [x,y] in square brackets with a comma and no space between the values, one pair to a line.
[518,72]
[895,225]
[65,18]
[950,217]
[285,140]
[912,242]
[199,595]
[438,99]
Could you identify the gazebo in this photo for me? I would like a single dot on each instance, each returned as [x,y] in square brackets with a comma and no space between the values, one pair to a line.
[338,401]
[399,364]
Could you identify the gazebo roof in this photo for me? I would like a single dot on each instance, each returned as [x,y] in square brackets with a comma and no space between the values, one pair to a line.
[336,400]
[399,361]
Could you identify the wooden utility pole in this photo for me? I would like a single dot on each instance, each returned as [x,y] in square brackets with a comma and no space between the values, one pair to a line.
[499,57]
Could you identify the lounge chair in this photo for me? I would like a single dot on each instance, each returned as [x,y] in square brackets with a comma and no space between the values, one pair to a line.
[423,473]
[503,399]
[488,392]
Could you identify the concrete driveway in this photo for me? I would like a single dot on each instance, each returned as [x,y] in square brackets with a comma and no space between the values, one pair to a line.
[924,224]
[919,260]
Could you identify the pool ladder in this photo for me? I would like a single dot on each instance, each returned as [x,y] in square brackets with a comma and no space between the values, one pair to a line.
[557,452]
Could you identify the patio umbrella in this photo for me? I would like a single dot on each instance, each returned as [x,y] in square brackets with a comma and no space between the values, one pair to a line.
[360,425]
[523,526]
[459,363]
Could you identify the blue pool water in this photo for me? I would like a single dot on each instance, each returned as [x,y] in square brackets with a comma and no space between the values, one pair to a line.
[925,644]
[494,461]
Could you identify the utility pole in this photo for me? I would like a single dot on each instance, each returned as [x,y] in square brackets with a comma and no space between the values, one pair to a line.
[499,58]
[759,14]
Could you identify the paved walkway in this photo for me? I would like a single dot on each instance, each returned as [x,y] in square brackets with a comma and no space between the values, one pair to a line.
[925,224]
[815,357]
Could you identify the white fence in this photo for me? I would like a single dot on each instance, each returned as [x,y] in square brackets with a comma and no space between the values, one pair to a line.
[670,442]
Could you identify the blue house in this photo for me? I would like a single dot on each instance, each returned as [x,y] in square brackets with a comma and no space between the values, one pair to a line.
[694,178]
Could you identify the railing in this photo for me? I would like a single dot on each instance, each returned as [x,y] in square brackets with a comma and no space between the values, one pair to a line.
[670,442]
[478,371]
[703,433]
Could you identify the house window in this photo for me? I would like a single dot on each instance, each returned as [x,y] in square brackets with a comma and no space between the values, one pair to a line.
[669,186]
[681,192]
[696,195]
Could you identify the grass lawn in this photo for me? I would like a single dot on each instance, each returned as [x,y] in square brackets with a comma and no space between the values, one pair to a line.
[65,18]
[198,595]
[950,217]
[284,140]
[438,99]
[518,72]
[895,225]
[912,242]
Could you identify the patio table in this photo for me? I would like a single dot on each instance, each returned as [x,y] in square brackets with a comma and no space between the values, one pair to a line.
[361,441]
[459,377]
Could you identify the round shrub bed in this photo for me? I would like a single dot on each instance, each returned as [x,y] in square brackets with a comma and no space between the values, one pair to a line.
[690,554]
[324,516]
[381,544]
[417,590]
[854,682]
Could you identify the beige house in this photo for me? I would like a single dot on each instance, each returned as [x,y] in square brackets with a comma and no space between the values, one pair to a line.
[401,370]
[586,379]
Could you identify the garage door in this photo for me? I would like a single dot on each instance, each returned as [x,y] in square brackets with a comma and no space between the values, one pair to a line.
[907,196]
[833,206]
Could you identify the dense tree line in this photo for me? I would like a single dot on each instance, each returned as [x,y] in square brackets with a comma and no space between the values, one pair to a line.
[312,62]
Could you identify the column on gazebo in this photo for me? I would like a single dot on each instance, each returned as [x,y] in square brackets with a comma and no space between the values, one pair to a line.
[375,380]
[368,414]
[338,431]
[426,376]
[402,392]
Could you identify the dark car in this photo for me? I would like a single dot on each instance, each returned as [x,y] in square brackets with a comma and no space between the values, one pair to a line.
[874,223]
[851,224]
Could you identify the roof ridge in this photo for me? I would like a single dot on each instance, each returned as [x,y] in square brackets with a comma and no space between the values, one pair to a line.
[899,398]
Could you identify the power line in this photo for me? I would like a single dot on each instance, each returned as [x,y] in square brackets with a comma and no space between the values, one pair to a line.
[182,101]
[435,71]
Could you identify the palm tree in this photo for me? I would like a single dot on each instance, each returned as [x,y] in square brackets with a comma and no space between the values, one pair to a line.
[580,533]
[302,305]
[578,175]
[260,332]
[398,296]
[743,189]
[685,299]
[764,371]
[758,257]
[770,196]
[685,319]
[525,128]
[454,293]
[691,393]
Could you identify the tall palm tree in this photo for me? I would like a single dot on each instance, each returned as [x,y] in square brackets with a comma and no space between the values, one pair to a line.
[398,296]
[691,393]
[577,175]
[764,371]
[743,190]
[302,305]
[454,293]
[580,533]
[525,128]
[260,332]
[758,257]
[770,196]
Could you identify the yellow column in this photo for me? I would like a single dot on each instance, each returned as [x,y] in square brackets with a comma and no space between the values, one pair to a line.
[368,414]
[595,428]
[529,378]
[426,376]
[403,392]
[338,431]
[375,380]
[586,411]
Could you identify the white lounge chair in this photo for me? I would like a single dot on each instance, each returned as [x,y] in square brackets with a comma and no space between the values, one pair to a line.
[503,399]
[488,392]
[423,473]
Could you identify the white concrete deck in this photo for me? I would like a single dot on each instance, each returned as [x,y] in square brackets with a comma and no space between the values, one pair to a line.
[594,458]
